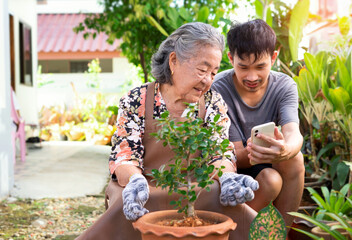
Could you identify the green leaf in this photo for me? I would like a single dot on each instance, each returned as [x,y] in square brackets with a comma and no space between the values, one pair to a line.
[203,14]
[185,14]
[343,74]
[268,224]
[269,18]
[164,114]
[183,192]
[154,23]
[225,143]
[309,234]
[219,14]
[326,148]
[202,184]
[210,169]
[259,8]
[311,63]
[340,99]
[199,171]
[217,117]
[173,16]
[299,17]
[342,173]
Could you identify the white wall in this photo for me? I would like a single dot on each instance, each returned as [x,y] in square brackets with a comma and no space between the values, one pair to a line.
[6,154]
[25,11]
[61,92]
[60,6]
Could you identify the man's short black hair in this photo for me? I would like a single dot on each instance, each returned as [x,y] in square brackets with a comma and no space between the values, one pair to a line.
[253,37]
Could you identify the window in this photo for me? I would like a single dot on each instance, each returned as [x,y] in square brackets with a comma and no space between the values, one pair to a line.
[78,66]
[41,1]
[26,75]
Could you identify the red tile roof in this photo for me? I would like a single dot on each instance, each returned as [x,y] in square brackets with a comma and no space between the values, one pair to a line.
[55,35]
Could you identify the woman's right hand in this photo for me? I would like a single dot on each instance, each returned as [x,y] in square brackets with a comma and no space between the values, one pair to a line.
[135,195]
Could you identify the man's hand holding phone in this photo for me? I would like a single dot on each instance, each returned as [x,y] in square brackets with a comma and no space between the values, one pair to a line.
[266,145]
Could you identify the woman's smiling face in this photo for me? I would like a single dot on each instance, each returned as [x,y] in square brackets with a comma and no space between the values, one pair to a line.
[193,77]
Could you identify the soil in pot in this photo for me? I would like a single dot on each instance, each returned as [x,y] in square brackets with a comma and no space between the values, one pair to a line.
[151,230]
[186,222]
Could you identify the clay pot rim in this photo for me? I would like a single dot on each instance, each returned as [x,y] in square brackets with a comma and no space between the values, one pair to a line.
[159,230]
[318,230]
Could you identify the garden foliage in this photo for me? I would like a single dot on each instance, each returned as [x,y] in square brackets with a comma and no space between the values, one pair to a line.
[185,172]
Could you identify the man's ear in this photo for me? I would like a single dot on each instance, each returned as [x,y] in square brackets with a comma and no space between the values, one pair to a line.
[273,57]
[230,57]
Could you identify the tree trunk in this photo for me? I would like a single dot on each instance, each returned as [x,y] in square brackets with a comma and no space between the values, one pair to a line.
[314,154]
[190,210]
[141,56]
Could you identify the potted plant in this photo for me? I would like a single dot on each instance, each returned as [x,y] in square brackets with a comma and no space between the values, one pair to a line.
[340,229]
[331,217]
[333,201]
[183,176]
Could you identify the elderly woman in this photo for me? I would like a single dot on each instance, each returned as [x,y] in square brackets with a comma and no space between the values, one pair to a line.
[184,68]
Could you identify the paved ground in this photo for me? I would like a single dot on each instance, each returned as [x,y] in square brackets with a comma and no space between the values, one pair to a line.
[62,170]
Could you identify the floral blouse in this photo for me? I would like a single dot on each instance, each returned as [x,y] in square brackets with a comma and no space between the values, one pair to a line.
[127,146]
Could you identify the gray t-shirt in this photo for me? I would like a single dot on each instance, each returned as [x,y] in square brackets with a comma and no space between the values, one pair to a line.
[279,104]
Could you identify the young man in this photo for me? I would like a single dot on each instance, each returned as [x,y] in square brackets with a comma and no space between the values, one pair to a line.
[256,95]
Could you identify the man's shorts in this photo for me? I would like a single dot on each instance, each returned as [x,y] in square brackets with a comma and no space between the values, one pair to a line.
[254,170]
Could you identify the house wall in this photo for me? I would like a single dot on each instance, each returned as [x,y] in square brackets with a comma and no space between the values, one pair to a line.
[25,11]
[61,92]
[6,153]
[60,6]
[319,36]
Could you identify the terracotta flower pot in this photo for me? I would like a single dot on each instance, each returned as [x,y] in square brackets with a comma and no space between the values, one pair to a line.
[326,236]
[151,231]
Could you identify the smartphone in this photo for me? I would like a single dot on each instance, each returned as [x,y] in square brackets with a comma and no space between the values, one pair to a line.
[266,129]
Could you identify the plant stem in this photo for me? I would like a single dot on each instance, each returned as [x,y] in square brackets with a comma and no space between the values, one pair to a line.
[350,177]
[190,210]
[286,68]
[314,154]
[212,176]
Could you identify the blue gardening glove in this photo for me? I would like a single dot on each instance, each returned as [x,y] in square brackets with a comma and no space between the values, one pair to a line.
[236,188]
[134,196]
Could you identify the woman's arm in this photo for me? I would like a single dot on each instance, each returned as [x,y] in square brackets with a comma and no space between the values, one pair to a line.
[218,106]
[126,156]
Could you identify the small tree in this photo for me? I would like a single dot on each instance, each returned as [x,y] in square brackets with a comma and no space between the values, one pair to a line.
[186,138]
[134,23]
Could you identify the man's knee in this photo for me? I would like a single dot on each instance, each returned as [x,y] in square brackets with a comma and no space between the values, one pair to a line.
[292,168]
[270,179]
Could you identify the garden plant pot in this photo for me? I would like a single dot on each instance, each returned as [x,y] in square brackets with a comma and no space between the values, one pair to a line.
[326,236]
[302,224]
[152,231]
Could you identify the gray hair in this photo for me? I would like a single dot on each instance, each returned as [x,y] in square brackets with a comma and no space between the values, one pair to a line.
[184,41]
